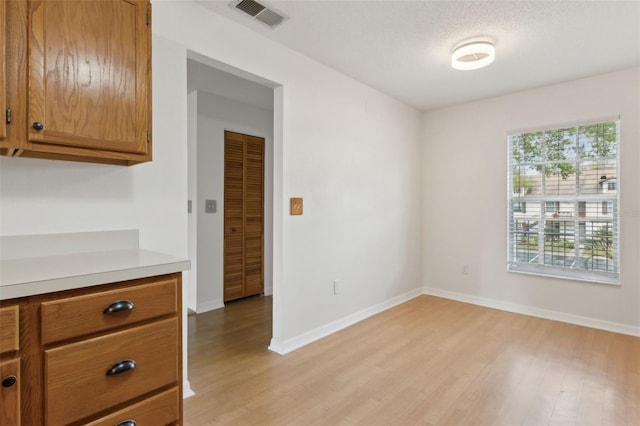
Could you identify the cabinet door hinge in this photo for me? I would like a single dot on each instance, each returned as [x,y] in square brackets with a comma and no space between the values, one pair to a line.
[148,17]
[148,136]
[8,116]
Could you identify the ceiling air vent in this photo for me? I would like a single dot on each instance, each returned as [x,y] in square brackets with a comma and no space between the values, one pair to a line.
[260,12]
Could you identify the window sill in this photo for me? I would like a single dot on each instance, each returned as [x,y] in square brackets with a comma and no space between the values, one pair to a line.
[609,278]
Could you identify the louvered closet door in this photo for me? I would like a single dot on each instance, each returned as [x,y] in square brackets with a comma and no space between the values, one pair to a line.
[243,216]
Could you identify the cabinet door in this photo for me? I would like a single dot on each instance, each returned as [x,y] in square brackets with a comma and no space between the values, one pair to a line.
[3,75]
[89,74]
[10,392]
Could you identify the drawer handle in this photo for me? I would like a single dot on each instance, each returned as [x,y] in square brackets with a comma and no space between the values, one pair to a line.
[127,423]
[121,367]
[9,381]
[119,306]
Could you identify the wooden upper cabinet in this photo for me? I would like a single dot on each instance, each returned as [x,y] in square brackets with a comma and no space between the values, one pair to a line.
[3,73]
[77,77]
[89,68]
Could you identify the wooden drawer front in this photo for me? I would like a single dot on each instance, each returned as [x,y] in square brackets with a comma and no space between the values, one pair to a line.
[10,396]
[161,409]
[76,383]
[9,329]
[80,315]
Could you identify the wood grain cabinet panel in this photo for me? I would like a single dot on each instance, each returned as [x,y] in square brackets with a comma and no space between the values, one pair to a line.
[3,72]
[76,381]
[10,395]
[9,334]
[161,409]
[10,365]
[14,47]
[86,86]
[91,313]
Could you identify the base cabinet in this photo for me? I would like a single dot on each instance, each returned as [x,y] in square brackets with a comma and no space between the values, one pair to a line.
[103,355]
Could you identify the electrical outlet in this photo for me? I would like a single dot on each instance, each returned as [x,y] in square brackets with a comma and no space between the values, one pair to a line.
[336,286]
[465,269]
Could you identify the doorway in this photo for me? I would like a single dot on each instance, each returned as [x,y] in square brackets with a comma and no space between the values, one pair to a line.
[219,102]
[245,103]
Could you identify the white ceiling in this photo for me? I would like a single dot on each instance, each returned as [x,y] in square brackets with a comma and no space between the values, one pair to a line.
[403,48]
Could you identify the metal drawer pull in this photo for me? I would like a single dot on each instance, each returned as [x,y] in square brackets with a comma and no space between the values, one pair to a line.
[121,367]
[119,306]
[127,423]
[9,381]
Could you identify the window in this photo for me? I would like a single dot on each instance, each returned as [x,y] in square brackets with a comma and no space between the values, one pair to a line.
[607,207]
[567,178]
[520,207]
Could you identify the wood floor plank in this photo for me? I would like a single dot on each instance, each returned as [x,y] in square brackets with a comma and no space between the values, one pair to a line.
[429,361]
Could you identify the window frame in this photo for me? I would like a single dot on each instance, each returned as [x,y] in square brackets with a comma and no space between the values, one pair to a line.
[609,273]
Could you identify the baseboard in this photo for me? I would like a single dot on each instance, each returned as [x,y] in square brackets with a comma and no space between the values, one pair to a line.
[276,346]
[283,347]
[187,392]
[209,306]
[534,312]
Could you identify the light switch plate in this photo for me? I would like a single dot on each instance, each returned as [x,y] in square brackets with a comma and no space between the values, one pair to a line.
[295,206]
[210,206]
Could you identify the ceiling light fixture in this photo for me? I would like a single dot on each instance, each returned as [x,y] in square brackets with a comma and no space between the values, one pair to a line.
[473,55]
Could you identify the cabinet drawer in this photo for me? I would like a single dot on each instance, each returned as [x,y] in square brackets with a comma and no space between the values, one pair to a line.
[79,315]
[161,409]
[76,381]
[9,329]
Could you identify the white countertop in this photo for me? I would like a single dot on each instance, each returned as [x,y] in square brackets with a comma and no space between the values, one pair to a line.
[21,277]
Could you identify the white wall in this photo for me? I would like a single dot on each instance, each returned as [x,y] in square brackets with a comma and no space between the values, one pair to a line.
[215,115]
[44,196]
[351,152]
[465,147]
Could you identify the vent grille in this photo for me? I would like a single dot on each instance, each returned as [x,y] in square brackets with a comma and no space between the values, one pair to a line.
[260,12]
[250,7]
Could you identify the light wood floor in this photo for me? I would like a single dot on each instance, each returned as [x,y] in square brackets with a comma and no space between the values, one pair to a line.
[429,361]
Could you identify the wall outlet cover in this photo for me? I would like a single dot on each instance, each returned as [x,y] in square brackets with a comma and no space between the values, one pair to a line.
[210,206]
[295,206]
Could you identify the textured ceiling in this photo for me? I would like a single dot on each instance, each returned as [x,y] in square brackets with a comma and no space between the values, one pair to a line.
[403,48]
